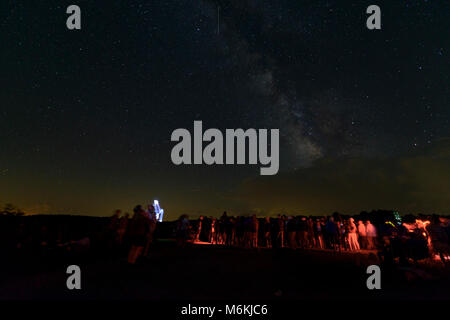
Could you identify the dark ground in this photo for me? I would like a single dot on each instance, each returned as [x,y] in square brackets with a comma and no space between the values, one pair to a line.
[205,272]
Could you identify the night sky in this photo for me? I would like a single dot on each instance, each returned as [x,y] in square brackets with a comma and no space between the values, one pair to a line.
[86,116]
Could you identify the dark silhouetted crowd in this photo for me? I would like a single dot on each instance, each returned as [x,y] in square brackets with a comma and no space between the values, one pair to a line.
[417,239]
[132,236]
[282,231]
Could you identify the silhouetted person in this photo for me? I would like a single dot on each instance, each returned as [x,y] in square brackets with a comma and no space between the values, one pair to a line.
[139,227]
[318,235]
[267,235]
[229,231]
[439,239]
[362,235]
[254,231]
[292,232]
[310,233]
[213,231]
[302,232]
[199,228]
[182,230]
[332,233]
[152,226]
[280,235]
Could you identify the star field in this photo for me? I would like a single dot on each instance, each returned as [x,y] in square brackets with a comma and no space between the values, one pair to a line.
[86,115]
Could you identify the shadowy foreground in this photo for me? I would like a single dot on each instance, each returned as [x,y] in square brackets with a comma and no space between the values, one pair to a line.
[203,272]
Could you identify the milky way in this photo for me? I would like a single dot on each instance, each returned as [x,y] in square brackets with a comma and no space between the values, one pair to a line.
[86,116]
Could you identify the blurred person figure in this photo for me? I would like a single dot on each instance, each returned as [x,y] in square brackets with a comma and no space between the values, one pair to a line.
[212,232]
[353,236]
[310,233]
[267,235]
[254,223]
[219,231]
[332,234]
[439,239]
[230,231]
[240,231]
[302,232]
[343,231]
[292,232]
[206,225]
[371,232]
[182,230]
[280,235]
[319,243]
[152,226]
[222,226]
[362,235]
[247,241]
[198,231]
[139,227]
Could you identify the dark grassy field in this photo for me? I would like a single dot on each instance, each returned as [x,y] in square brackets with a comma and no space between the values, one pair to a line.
[203,272]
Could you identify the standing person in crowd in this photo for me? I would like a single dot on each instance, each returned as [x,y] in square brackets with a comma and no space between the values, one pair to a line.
[254,231]
[199,228]
[318,234]
[280,235]
[332,234]
[223,233]
[439,238]
[371,232]
[362,234]
[352,236]
[206,225]
[212,232]
[343,231]
[267,235]
[292,232]
[182,230]
[152,218]
[301,233]
[310,233]
[239,231]
[229,231]
[139,227]
[217,233]
[247,241]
